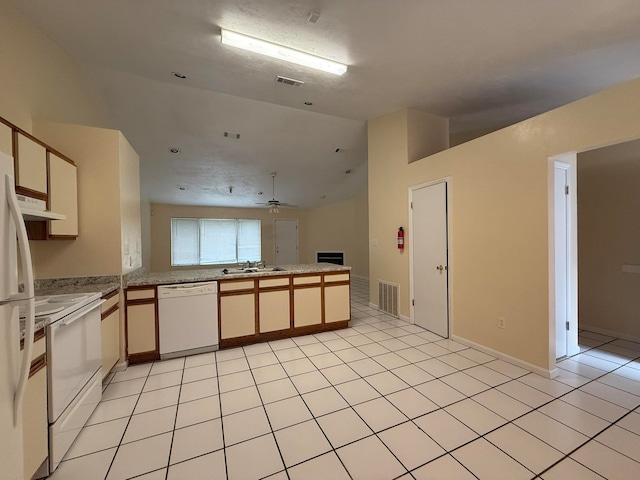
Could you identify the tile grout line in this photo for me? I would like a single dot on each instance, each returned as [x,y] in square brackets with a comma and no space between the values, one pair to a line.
[128,423]
[272,433]
[409,386]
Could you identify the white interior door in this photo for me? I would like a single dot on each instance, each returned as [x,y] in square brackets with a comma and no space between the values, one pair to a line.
[429,248]
[286,241]
[561,257]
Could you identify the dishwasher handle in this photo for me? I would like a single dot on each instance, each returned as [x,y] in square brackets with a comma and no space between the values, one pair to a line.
[180,289]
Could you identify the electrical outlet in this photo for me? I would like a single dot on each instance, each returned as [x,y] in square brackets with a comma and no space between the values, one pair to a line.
[502,322]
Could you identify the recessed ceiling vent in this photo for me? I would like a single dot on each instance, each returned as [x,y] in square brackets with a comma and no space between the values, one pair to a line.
[289,81]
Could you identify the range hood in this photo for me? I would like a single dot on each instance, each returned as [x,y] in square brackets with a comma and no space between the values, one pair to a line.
[34,210]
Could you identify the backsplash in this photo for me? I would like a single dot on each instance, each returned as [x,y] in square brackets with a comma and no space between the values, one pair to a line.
[53,283]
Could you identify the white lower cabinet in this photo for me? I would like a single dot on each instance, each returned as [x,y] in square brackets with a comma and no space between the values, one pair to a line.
[34,414]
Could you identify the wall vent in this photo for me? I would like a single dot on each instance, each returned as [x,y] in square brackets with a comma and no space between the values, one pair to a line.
[289,81]
[388,297]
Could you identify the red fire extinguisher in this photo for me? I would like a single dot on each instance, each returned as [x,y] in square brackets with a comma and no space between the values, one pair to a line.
[400,238]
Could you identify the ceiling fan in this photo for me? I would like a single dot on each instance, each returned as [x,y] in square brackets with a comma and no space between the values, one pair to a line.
[274,204]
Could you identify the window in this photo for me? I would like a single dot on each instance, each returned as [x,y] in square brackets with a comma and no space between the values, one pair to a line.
[213,241]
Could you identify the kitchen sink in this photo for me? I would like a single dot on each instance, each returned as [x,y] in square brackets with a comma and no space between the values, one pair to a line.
[236,271]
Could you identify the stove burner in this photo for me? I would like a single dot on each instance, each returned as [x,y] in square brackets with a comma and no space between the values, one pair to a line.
[70,298]
[46,309]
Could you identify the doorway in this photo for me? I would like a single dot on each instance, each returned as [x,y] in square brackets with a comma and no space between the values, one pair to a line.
[562,250]
[285,241]
[563,257]
[429,256]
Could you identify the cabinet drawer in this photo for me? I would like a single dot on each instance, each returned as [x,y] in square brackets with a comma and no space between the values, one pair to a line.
[274,282]
[109,302]
[141,294]
[235,286]
[342,277]
[306,280]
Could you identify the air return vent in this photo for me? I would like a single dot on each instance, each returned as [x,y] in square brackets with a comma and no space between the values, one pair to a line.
[388,297]
[289,81]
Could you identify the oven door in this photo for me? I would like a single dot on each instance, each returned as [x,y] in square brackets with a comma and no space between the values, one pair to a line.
[74,355]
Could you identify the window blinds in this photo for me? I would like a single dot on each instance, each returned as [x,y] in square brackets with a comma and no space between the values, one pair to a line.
[211,241]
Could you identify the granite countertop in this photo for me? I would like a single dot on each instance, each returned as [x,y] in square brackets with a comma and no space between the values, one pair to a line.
[103,288]
[203,275]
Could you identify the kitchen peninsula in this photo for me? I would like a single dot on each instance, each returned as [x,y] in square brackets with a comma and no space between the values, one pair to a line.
[254,305]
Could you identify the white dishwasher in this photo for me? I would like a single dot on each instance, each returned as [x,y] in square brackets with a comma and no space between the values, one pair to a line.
[188,318]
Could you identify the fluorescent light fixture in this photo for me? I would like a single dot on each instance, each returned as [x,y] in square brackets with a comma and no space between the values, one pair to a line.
[283,53]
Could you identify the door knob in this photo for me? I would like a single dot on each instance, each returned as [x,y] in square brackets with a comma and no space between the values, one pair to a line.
[441,268]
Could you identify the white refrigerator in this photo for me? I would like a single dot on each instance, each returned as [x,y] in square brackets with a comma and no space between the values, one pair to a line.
[14,363]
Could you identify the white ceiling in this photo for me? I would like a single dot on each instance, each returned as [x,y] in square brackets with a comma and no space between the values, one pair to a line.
[481,63]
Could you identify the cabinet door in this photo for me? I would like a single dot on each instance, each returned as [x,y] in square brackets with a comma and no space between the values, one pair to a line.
[275,313]
[336,303]
[63,196]
[34,423]
[141,328]
[110,342]
[237,315]
[31,173]
[307,306]
[6,139]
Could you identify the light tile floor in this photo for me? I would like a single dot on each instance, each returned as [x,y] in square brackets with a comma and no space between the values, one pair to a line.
[380,400]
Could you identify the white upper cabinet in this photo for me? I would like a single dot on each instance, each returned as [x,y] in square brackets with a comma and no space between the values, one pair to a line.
[31,173]
[63,196]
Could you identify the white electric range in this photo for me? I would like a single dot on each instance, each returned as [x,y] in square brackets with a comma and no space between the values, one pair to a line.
[74,358]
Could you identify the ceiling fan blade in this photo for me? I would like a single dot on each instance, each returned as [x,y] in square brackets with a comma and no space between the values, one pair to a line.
[288,205]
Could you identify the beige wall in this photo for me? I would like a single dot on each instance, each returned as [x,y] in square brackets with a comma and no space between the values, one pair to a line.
[342,227]
[499,215]
[426,134]
[609,237]
[39,80]
[458,138]
[145,232]
[108,207]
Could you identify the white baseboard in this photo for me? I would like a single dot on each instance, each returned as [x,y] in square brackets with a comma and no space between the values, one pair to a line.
[120,367]
[508,358]
[402,317]
[609,333]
